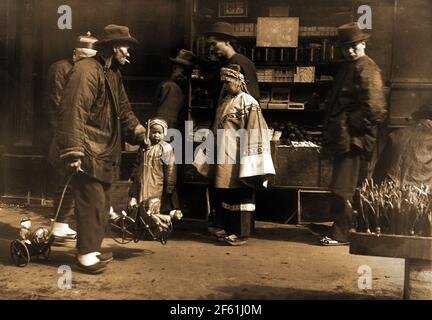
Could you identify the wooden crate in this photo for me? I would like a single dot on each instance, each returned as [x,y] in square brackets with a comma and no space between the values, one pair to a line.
[296,167]
[314,205]
[394,246]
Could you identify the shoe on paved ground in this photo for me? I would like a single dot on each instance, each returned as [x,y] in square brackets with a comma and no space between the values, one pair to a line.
[327,241]
[233,240]
[96,268]
[105,257]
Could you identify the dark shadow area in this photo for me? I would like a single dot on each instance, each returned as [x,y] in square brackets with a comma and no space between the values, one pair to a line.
[9,232]
[256,292]
[197,231]
[122,253]
[290,234]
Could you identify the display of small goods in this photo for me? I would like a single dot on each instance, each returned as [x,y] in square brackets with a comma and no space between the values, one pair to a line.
[316,31]
[392,208]
[233,8]
[288,133]
[244,29]
[305,74]
[285,74]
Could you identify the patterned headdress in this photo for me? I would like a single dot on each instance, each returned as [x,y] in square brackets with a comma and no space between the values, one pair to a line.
[160,122]
[231,75]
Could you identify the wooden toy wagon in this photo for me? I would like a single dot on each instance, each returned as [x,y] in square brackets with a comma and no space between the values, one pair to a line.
[36,243]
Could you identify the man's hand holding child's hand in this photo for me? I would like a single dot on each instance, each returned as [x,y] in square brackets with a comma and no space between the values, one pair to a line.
[133,202]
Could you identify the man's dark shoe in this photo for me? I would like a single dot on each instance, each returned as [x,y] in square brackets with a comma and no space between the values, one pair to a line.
[105,257]
[96,268]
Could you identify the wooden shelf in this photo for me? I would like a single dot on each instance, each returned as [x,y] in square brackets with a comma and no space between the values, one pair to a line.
[297,64]
[294,110]
[295,83]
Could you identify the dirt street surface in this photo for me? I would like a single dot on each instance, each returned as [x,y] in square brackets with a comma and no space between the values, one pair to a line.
[279,262]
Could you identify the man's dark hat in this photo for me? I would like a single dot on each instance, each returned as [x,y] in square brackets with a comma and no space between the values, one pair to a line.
[221,29]
[351,33]
[116,34]
[424,112]
[185,57]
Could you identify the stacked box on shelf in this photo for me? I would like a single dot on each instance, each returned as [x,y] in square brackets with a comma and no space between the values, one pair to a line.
[245,29]
[283,75]
[315,31]
[305,74]
[265,74]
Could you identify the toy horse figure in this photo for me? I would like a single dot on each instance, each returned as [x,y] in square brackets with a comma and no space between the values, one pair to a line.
[142,219]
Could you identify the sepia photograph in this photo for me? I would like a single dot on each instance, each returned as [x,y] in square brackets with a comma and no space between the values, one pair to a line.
[215,155]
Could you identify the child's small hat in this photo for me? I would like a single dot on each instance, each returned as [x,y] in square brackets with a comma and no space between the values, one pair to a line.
[160,122]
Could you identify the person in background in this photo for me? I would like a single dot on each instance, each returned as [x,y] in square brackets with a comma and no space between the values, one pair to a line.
[57,78]
[221,41]
[94,113]
[407,157]
[355,108]
[170,94]
[240,167]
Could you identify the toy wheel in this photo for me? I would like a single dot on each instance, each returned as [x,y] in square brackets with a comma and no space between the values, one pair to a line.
[139,229]
[45,253]
[163,237]
[123,229]
[19,253]
[139,232]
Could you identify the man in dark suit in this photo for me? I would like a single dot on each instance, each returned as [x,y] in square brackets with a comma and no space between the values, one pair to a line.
[355,108]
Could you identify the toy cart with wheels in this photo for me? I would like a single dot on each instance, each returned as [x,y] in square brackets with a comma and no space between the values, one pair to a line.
[34,243]
[143,220]
[38,244]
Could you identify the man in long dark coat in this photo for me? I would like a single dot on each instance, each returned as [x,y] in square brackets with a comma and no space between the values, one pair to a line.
[355,108]
[94,112]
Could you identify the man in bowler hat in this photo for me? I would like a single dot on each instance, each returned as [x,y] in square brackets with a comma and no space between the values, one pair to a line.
[221,40]
[170,94]
[94,113]
[355,108]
